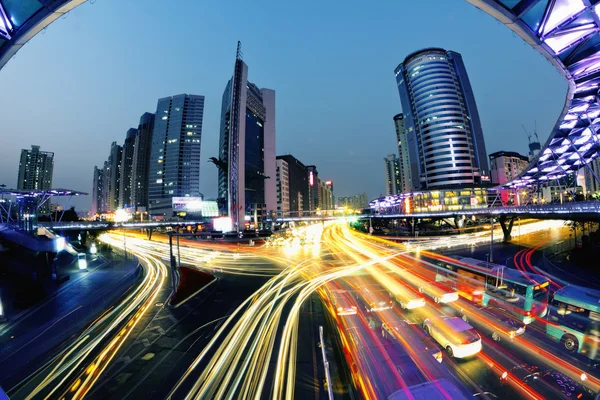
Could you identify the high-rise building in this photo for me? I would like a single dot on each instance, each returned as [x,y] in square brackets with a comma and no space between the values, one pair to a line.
[506,166]
[392,175]
[126,173]
[592,186]
[140,168]
[326,195]
[298,183]
[35,169]
[445,140]
[113,177]
[247,166]
[356,202]
[97,192]
[313,187]
[283,187]
[175,152]
[403,155]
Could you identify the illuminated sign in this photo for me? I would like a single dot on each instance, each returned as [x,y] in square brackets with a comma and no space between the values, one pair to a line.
[311,180]
[223,224]
[59,244]
[328,183]
[195,205]
[81,261]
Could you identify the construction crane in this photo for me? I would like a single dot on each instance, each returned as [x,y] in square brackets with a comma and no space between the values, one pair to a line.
[534,145]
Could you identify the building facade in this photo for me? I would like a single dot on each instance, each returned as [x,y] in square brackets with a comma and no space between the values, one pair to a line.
[113,177]
[126,181]
[592,186]
[298,183]
[175,152]
[313,187]
[97,193]
[506,166]
[393,183]
[403,155]
[140,169]
[326,195]
[445,139]
[356,202]
[35,169]
[283,187]
[247,166]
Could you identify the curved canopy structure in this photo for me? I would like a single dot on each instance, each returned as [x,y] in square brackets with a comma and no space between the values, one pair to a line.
[20,20]
[566,32]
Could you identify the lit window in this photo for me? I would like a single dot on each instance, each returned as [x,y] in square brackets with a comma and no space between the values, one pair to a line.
[159,181]
[164,118]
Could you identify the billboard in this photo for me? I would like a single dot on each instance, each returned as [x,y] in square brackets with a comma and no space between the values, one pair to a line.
[195,205]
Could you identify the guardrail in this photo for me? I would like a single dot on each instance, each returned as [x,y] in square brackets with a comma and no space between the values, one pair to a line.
[325,364]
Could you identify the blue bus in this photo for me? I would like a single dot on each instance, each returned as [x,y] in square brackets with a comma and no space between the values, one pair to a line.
[574,320]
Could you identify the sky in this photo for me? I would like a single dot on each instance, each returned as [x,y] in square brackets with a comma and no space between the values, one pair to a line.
[81,83]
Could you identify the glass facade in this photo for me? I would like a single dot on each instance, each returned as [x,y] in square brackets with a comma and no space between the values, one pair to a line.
[445,142]
[175,154]
[254,160]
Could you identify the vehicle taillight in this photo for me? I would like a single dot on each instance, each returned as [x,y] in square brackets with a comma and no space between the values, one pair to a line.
[438,356]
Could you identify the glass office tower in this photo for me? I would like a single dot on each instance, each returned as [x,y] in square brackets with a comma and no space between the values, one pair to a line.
[175,154]
[445,140]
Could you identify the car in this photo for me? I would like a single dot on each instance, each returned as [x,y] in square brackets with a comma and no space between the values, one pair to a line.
[457,337]
[504,324]
[374,301]
[440,292]
[342,304]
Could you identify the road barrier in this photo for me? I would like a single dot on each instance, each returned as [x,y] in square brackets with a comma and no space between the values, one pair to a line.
[325,364]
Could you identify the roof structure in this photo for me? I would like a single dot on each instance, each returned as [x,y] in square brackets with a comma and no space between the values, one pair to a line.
[41,193]
[567,33]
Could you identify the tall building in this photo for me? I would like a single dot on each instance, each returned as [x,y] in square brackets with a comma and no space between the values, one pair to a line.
[126,173]
[35,169]
[247,166]
[403,155]
[392,175]
[113,177]
[313,187]
[298,183]
[445,140]
[283,187]
[140,168]
[592,186]
[356,202]
[506,166]
[326,195]
[175,152]
[97,192]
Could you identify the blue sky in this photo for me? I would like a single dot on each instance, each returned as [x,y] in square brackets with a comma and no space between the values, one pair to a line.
[82,83]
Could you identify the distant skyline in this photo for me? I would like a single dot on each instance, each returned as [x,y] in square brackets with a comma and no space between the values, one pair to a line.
[78,86]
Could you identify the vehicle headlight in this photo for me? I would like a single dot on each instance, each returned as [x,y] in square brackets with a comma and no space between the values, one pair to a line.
[520,330]
[512,334]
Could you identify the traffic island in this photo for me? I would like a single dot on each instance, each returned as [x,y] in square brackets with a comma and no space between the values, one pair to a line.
[192,282]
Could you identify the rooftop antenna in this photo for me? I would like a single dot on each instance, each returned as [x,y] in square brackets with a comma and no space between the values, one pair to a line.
[238,54]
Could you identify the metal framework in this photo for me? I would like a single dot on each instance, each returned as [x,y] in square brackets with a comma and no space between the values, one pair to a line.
[566,32]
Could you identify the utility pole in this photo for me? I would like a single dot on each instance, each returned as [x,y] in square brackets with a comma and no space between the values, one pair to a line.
[492,243]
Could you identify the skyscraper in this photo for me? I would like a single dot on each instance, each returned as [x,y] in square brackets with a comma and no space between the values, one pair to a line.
[592,186]
[247,168]
[97,192]
[175,154]
[506,166]
[141,162]
[125,182]
[325,195]
[113,177]
[392,175]
[35,169]
[445,140]
[403,155]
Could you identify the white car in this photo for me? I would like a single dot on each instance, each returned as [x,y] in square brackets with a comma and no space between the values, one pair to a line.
[440,292]
[455,335]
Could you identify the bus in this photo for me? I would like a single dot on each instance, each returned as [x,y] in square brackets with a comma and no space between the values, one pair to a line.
[574,320]
[523,294]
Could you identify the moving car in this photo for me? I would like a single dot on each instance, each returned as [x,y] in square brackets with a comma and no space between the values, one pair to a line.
[342,304]
[398,330]
[502,323]
[440,292]
[457,337]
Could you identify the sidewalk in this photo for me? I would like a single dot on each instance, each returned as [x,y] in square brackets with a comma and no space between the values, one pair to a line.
[30,337]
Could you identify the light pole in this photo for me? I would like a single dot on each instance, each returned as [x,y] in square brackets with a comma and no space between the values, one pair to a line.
[492,243]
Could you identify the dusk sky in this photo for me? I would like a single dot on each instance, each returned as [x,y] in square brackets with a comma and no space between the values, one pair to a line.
[82,83]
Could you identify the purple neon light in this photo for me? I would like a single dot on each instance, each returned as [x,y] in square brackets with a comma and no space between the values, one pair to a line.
[561,41]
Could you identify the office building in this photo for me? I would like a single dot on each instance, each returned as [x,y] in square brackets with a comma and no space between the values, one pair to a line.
[326,195]
[35,169]
[392,175]
[356,202]
[113,177]
[298,183]
[592,186]
[283,187]
[313,187]
[445,140]
[140,168]
[126,173]
[175,152]
[403,155]
[97,193]
[247,166]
